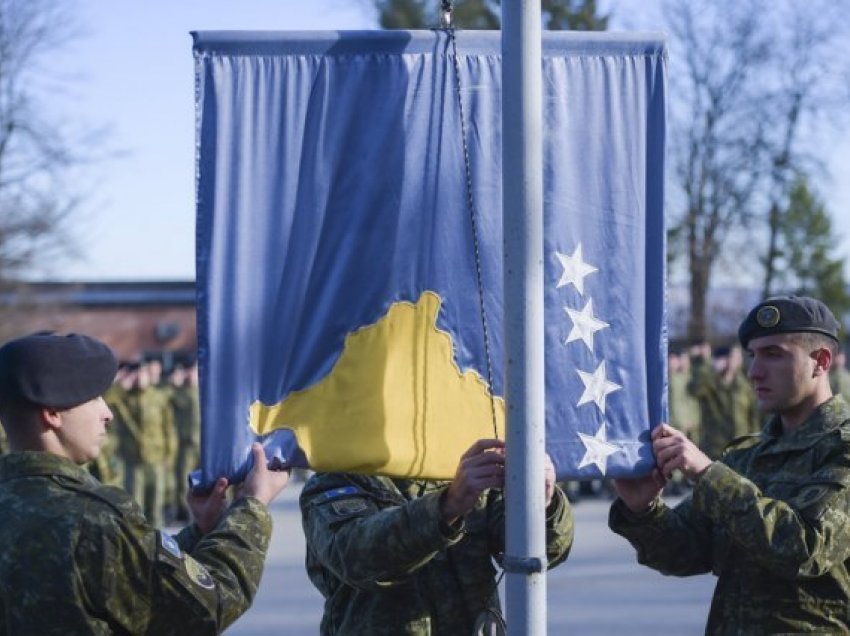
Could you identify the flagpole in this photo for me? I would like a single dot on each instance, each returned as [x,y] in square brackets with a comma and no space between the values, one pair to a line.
[522,198]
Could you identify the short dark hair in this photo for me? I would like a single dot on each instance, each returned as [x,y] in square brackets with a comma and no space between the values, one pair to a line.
[812,340]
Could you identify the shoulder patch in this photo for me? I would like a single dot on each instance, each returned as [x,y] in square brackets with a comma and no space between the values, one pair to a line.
[169,544]
[199,574]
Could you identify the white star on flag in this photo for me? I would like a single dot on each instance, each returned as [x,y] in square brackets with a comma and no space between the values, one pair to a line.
[585,324]
[596,387]
[575,269]
[598,448]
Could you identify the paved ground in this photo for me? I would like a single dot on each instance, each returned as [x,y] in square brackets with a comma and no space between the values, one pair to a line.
[599,591]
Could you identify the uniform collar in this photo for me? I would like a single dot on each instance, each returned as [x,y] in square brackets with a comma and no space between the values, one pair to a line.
[824,420]
[37,463]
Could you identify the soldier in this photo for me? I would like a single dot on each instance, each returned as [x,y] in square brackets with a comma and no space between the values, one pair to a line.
[79,557]
[187,420]
[839,376]
[771,518]
[396,556]
[150,442]
[684,408]
[726,400]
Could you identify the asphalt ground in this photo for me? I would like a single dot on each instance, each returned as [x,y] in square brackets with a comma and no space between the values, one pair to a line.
[600,590]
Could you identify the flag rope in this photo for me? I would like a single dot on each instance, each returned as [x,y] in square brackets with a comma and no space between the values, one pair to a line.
[450,31]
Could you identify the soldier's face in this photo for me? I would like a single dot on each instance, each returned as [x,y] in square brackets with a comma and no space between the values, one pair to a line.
[782,372]
[83,430]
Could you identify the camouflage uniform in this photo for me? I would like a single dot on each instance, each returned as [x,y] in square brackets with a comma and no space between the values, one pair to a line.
[726,411]
[187,420]
[684,408]
[772,520]
[386,564]
[839,381]
[79,558]
[149,442]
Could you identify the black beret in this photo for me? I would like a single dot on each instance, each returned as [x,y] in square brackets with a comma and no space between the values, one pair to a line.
[788,314]
[55,371]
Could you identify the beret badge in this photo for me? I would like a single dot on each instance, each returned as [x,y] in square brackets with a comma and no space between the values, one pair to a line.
[767,316]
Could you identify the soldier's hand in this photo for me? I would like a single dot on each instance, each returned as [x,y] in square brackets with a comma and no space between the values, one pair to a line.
[481,467]
[673,450]
[638,493]
[262,483]
[207,509]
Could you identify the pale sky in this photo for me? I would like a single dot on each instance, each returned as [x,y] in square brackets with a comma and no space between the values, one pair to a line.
[134,71]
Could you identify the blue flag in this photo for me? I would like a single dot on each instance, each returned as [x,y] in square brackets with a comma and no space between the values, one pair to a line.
[340,292]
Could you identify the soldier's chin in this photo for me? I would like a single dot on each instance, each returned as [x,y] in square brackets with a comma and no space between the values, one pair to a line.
[766,406]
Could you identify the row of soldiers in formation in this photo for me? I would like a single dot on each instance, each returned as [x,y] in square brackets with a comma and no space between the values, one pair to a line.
[154,440]
[712,401]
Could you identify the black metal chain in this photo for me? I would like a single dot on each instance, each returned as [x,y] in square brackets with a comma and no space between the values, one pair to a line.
[450,31]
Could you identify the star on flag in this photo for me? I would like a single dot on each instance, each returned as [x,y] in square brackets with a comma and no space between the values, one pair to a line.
[597,386]
[585,324]
[575,269]
[597,449]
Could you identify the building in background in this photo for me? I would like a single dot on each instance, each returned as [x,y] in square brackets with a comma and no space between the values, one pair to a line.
[138,319]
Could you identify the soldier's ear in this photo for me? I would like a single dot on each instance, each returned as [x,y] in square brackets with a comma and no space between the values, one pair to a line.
[823,361]
[50,418]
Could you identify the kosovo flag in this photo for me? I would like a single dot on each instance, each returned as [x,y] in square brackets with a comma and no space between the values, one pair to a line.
[340,313]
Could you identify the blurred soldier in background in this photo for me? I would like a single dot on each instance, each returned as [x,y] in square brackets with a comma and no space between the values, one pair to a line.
[839,376]
[187,420]
[727,404]
[684,408]
[149,441]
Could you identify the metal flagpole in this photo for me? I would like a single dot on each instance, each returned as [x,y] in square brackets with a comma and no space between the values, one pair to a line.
[522,199]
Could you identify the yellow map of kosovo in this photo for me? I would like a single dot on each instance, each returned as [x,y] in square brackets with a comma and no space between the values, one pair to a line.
[395,402]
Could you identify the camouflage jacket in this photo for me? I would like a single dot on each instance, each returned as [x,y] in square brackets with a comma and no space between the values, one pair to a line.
[79,558]
[772,520]
[146,427]
[386,564]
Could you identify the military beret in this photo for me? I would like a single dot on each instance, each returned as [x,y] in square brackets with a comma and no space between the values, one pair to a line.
[55,371]
[788,314]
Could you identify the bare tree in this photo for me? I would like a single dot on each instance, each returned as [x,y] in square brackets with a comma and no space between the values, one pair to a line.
[746,77]
[582,15]
[809,87]
[718,136]
[38,153]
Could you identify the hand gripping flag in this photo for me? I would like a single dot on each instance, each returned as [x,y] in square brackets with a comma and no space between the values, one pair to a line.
[339,315]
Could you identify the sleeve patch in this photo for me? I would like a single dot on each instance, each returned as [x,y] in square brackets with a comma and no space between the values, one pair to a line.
[169,545]
[199,574]
[348,507]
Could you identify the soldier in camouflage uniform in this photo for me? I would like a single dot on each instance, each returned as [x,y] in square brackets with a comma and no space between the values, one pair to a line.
[726,400]
[684,408]
[187,420]
[771,518]
[839,376]
[403,557]
[149,444]
[79,557]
